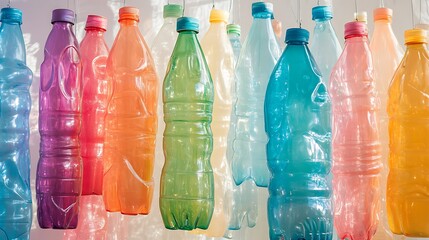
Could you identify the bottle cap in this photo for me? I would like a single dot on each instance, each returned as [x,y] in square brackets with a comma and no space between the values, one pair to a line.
[188,23]
[63,15]
[322,13]
[353,29]
[217,15]
[297,35]
[130,13]
[383,14]
[233,28]
[361,17]
[95,21]
[262,10]
[11,15]
[416,36]
[172,10]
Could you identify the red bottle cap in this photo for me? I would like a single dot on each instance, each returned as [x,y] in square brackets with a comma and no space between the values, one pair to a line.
[355,29]
[95,21]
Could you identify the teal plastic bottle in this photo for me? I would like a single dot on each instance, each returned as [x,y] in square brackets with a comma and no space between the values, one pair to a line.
[297,122]
[187,182]
[15,104]
[325,47]
[247,138]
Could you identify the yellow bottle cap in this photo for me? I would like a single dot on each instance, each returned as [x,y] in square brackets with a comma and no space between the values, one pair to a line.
[415,36]
[130,13]
[217,15]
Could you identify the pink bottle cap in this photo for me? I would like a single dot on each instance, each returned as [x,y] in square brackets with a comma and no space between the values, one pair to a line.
[383,14]
[95,21]
[355,29]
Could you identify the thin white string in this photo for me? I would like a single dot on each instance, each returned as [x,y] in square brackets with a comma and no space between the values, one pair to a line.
[412,12]
[356,10]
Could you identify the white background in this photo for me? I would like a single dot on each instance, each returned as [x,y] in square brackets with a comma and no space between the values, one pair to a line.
[36,27]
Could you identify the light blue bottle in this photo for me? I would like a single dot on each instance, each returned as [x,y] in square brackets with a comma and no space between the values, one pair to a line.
[297,122]
[325,47]
[247,138]
[15,104]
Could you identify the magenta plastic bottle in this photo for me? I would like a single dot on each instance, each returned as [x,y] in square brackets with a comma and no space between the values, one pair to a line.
[94,52]
[59,171]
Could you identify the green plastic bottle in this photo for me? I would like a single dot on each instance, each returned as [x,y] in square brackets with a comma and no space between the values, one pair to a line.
[187,184]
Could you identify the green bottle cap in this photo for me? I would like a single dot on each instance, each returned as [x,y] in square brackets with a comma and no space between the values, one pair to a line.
[233,28]
[173,10]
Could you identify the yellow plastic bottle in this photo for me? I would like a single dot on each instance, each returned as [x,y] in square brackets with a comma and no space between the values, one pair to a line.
[408,109]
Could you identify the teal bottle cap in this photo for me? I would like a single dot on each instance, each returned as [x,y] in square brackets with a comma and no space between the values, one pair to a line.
[188,23]
[172,10]
[233,28]
[262,10]
[11,15]
[297,35]
[322,13]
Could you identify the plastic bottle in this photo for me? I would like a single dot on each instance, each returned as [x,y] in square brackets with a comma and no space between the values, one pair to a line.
[234,33]
[220,59]
[15,81]
[244,204]
[187,182]
[94,52]
[277,27]
[325,47]
[59,170]
[407,184]
[131,120]
[424,26]
[356,150]
[247,138]
[297,122]
[386,56]
[92,220]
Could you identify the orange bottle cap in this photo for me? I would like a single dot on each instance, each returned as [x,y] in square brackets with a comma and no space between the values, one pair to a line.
[217,15]
[383,14]
[415,36]
[130,13]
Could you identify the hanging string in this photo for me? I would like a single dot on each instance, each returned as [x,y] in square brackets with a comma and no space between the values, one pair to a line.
[299,13]
[318,2]
[213,4]
[8,4]
[412,12]
[356,10]
[124,3]
[381,3]
[184,6]
[420,20]
[230,10]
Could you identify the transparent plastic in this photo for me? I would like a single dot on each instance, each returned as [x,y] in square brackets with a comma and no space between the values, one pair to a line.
[356,151]
[247,138]
[15,82]
[297,122]
[244,197]
[325,47]
[130,124]
[386,56]
[407,184]
[59,170]
[92,220]
[94,52]
[187,182]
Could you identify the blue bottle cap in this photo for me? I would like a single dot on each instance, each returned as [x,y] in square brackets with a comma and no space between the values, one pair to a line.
[63,15]
[11,15]
[297,35]
[262,10]
[322,13]
[188,23]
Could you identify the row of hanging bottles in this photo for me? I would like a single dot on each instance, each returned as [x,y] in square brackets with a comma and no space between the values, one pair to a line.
[338,136]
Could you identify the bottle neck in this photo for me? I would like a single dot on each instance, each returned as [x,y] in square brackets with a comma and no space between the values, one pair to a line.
[12,42]
[296,43]
[128,22]
[170,20]
[357,39]
[94,31]
[416,46]
[218,26]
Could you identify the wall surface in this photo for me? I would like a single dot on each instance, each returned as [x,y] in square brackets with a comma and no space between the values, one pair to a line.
[36,26]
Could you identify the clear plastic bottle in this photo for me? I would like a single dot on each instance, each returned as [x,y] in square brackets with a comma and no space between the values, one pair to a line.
[94,52]
[131,120]
[187,182]
[407,184]
[297,122]
[59,170]
[356,150]
[247,138]
[244,197]
[15,81]
[386,56]
[325,47]
[220,59]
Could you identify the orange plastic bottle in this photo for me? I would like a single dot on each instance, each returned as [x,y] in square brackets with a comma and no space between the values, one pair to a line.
[131,120]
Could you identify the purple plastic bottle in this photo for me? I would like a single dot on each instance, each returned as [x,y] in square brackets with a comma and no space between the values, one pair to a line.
[59,171]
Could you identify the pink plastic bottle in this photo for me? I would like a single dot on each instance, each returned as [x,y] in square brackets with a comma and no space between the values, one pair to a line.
[356,151]
[94,52]
[386,56]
